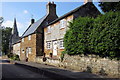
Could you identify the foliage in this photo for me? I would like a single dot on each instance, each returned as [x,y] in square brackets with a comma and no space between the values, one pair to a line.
[76,38]
[105,36]
[98,36]
[10,55]
[62,55]
[6,33]
[1,20]
[13,56]
[16,57]
[110,6]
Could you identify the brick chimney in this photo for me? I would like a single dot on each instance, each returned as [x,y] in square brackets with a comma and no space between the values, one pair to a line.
[86,1]
[51,8]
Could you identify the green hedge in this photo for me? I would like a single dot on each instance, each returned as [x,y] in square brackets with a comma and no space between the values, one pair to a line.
[100,36]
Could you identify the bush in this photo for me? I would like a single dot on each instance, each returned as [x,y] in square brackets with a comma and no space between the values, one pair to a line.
[76,38]
[105,35]
[62,55]
[10,55]
[100,36]
[16,57]
[13,56]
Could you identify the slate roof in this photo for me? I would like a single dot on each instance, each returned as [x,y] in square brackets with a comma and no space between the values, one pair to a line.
[32,28]
[16,42]
[71,12]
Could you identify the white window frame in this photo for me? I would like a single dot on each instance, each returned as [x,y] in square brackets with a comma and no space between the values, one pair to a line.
[48,45]
[27,50]
[63,23]
[61,42]
[30,50]
[49,29]
[18,44]
[29,37]
[22,39]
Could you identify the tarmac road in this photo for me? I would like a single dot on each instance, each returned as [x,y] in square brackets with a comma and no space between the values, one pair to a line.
[11,71]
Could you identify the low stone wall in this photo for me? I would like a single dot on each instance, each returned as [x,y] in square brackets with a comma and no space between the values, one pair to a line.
[91,63]
[48,61]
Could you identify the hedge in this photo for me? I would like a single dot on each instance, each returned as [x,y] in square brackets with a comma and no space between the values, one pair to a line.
[100,36]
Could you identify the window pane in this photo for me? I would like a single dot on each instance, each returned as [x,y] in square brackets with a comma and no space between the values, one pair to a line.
[61,44]
[48,45]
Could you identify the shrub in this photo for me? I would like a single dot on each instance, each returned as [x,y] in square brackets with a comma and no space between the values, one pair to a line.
[62,55]
[105,35]
[76,38]
[100,36]
[13,56]
[10,55]
[16,57]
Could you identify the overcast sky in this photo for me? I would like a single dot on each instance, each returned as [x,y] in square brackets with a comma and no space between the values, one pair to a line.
[23,12]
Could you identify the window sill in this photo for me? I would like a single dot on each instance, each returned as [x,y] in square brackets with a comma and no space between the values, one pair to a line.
[62,48]
[48,49]
[48,33]
[62,28]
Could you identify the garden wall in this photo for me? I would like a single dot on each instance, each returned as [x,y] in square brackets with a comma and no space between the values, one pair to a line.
[91,63]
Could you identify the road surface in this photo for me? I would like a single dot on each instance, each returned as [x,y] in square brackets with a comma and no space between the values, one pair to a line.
[13,71]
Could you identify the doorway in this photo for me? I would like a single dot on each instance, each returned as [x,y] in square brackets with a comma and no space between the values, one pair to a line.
[55,47]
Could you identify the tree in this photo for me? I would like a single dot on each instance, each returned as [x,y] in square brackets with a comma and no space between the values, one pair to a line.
[110,6]
[1,20]
[6,33]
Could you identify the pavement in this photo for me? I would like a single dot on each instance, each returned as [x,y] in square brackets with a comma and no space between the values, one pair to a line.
[56,72]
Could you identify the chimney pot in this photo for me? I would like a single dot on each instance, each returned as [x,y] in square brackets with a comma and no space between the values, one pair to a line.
[86,1]
[32,21]
[52,2]
[51,8]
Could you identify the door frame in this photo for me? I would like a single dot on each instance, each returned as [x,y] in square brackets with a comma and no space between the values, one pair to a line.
[55,42]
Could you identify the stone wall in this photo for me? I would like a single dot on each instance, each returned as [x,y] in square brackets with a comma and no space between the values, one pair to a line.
[91,63]
[16,48]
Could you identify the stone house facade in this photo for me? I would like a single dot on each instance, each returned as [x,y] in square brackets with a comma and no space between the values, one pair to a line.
[16,48]
[55,31]
[32,40]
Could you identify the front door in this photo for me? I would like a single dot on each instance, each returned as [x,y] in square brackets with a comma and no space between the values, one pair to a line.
[26,52]
[55,48]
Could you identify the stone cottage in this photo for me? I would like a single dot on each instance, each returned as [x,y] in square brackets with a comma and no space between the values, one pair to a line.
[16,48]
[55,31]
[32,40]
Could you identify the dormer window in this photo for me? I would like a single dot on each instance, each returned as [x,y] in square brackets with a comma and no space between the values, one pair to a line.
[62,23]
[48,29]
[22,39]
[29,37]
